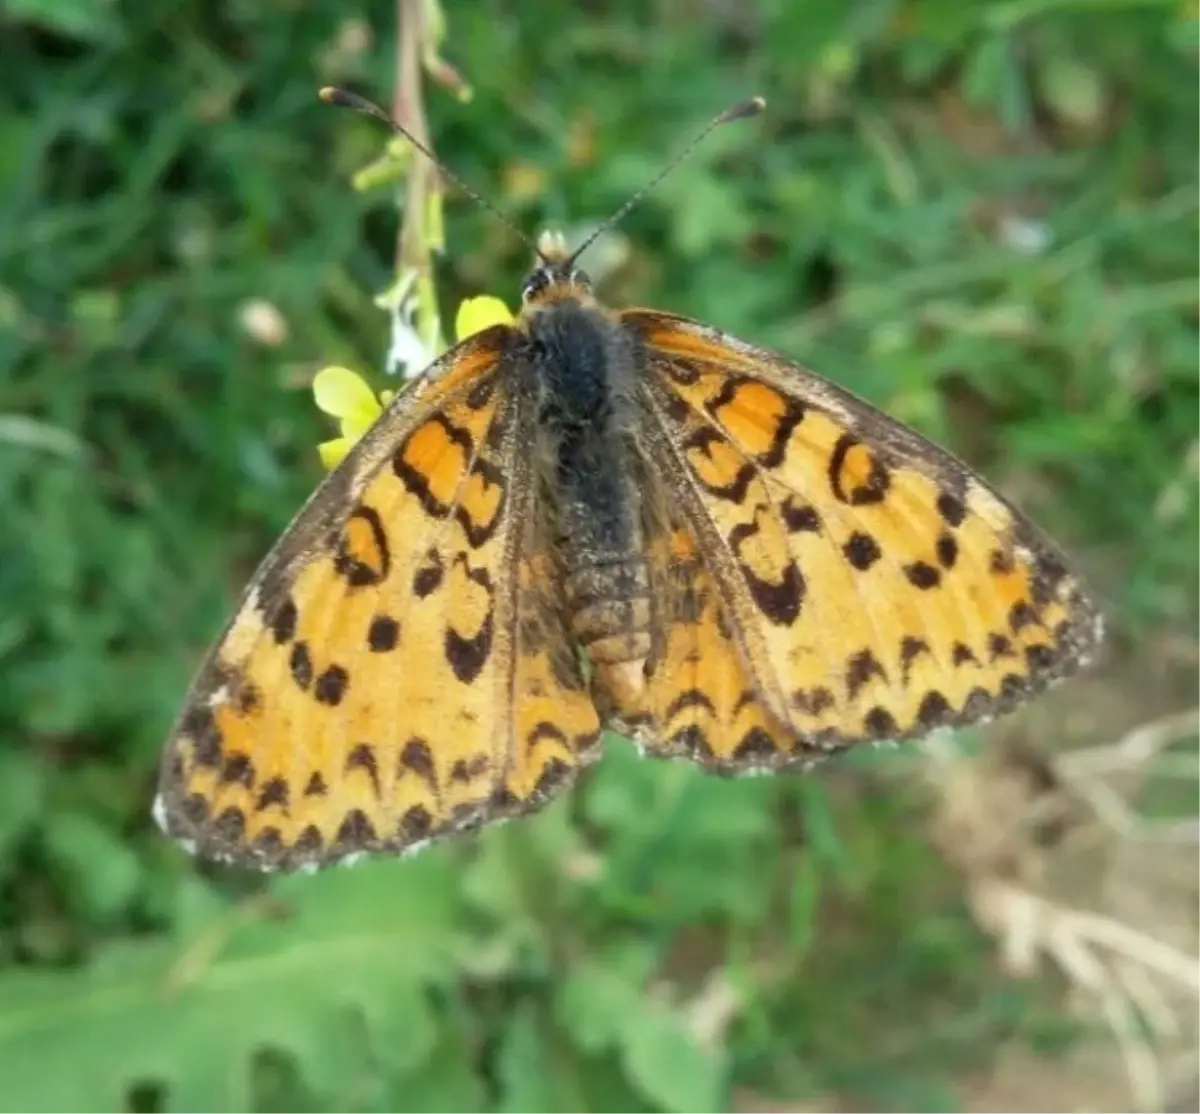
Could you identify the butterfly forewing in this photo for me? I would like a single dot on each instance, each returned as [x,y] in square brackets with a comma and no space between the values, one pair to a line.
[873,586]
[392,672]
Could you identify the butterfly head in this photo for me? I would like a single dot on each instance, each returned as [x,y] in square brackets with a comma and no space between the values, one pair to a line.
[556,276]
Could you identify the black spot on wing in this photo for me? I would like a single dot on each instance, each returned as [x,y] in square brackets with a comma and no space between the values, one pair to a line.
[273,792]
[417,758]
[689,698]
[1001,562]
[963,654]
[282,623]
[1013,686]
[238,769]
[331,686]
[755,744]
[468,654]
[1021,615]
[316,786]
[542,730]
[463,771]
[870,490]
[383,634]
[880,724]
[429,575]
[246,696]
[934,710]
[200,726]
[361,552]
[911,648]
[504,801]
[1040,657]
[779,600]
[301,665]
[860,668]
[812,701]
[951,508]
[1000,646]
[861,550]
[702,440]
[309,842]
[362,757]
[416,823]
[356,832]
[922,575]
[800,518]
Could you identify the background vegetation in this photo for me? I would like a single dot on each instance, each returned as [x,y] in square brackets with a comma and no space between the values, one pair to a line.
[982,215]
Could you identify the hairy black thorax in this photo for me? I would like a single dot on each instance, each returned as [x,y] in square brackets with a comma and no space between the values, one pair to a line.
[585,371]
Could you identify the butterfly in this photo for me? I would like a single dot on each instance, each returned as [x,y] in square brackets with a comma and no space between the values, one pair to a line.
[595,519]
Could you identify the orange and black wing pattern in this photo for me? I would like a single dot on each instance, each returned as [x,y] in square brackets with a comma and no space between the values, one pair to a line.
[398,667]
[829,576]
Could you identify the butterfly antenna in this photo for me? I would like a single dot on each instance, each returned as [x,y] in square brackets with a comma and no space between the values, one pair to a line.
[740,111]
[343,98]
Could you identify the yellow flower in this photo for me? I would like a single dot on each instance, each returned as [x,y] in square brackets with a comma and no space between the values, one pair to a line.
[345,395]
[477,314]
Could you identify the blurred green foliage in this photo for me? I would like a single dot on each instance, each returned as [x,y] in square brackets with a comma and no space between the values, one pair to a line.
[982,215]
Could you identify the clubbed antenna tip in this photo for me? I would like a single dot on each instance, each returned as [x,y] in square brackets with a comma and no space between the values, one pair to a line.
[742,110]
[343,98]
[330,94]
[739,111]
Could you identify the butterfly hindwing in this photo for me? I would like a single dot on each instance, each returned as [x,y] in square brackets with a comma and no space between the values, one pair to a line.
[364,695]
[698,699]
[874,586]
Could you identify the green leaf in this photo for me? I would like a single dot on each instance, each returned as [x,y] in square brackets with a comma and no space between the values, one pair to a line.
[805,900]
[445,1081]
[666,1063]
[595,1000]
[93,20]
[102,873]
[283,972]
[528,1075]
[22,789]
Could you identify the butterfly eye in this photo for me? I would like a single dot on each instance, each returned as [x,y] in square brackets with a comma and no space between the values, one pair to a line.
[534,285]
[581,278]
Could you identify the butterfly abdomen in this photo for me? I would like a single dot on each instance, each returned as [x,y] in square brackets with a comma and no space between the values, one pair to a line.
[585,367]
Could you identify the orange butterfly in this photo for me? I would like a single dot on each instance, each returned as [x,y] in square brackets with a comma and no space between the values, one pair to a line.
[593,518]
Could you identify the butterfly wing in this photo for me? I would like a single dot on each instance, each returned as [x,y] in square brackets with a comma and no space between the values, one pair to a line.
[870,586]
[396,668]
[699,699]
